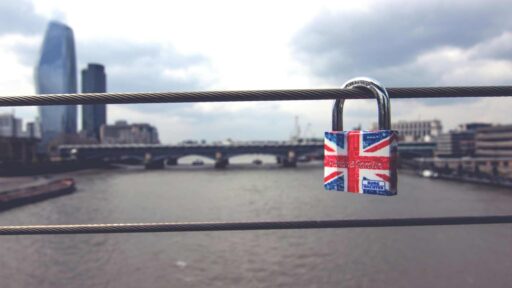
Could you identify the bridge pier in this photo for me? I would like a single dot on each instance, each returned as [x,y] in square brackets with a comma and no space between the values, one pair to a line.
[221,161]
[290,161]
[154,165]
[151,164]
[172,161]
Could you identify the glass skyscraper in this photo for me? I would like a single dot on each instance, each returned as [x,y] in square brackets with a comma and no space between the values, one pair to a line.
[56,73]
[95,115]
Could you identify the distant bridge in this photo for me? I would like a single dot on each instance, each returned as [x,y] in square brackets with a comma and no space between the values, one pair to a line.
[155,156]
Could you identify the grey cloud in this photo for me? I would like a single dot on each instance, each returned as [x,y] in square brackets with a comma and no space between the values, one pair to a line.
[498,48]
[136,67]
[19,17]
[27,53]
[391,34]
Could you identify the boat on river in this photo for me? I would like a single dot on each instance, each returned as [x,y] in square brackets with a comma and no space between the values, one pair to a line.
[34,193]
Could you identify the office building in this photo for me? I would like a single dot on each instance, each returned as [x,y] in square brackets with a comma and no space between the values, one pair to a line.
[418,131]
[56,73]
[456,144]
[473,126]
[495,141]
[459,142]
[17,149]
[94,115]
[10,126]
[123,133]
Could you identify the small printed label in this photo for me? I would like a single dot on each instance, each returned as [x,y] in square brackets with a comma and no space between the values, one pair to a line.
[373,186]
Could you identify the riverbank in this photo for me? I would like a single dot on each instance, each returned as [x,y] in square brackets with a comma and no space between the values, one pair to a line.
[48,167]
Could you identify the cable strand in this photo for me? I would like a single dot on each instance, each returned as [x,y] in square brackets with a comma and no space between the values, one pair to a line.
[240,226]
[250,95]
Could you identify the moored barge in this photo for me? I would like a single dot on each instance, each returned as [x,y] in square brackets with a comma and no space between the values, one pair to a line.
[19,196]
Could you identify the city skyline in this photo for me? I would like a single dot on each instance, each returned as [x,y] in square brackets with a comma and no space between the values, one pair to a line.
[159,54]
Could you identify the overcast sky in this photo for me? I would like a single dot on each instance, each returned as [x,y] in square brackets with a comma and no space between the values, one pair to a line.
[202,45]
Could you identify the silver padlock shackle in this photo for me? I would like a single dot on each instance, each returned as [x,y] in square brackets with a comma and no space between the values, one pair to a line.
[382,101]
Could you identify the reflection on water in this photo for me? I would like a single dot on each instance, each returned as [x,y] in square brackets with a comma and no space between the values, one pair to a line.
[474,256]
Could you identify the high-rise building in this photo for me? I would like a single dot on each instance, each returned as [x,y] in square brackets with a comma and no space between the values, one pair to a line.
[94,115]
[56,73]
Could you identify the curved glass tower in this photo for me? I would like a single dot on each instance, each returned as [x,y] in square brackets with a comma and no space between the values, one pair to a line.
[56,73]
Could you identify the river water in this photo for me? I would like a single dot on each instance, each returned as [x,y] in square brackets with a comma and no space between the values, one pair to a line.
[450,256]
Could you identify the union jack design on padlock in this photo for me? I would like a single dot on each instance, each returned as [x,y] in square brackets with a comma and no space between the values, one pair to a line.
[362,161]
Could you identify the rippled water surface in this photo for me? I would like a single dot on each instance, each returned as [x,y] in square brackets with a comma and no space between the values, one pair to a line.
[451,256]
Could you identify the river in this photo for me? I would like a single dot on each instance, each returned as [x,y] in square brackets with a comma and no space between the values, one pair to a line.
[450,256]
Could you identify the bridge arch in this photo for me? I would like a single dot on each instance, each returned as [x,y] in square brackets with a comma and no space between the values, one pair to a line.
[181,156]
[243,158]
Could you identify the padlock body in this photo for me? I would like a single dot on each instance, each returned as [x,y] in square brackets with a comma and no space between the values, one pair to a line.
[361,161]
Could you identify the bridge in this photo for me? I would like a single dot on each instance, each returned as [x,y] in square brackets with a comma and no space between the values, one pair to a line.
[156,156]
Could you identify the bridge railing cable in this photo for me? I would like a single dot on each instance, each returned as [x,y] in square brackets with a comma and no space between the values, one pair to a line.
[241,226]
[253,95]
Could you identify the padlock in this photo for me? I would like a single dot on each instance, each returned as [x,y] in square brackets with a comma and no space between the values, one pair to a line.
[362,161]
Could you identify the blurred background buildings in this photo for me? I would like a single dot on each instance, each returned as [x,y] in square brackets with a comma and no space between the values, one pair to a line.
[123,133]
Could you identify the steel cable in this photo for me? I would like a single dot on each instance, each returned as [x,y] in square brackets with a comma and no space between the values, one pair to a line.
[239,226]
[253,95]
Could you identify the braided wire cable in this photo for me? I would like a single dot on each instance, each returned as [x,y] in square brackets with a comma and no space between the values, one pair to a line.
[240,226]
[250,95]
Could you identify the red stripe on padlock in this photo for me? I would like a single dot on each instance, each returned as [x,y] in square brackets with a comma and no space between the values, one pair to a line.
[380,145]
[332,175]
[328,149]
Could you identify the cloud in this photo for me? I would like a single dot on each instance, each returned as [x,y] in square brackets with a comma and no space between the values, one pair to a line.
[20,29]
[19,17]
[409,43]
[403,43]
[136,67]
